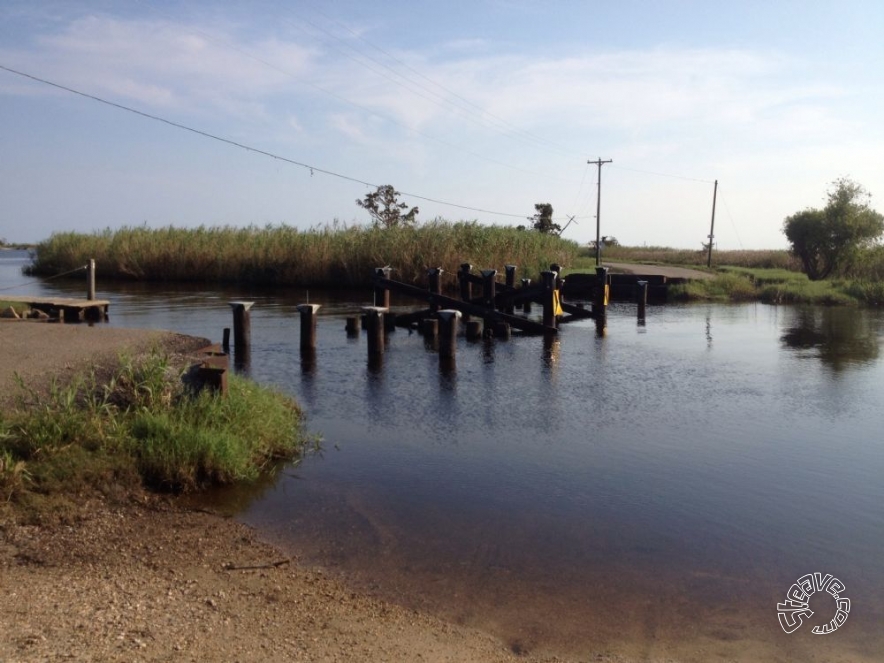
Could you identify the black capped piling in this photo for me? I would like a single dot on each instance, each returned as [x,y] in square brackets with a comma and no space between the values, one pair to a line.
[641,298]
[382,294]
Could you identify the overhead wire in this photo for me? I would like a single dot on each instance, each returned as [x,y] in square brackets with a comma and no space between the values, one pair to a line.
[361,107]
[658,174]
[503,126]
[727,209]
[248,148]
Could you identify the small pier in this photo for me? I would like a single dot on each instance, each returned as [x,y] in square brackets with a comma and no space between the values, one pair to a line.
[65,309]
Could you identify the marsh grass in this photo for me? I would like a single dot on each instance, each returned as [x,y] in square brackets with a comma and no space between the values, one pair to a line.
[334,255]
[143,424]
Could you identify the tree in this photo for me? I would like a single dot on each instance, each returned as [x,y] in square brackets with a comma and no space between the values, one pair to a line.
[543,220]
[828,239]
[385,209]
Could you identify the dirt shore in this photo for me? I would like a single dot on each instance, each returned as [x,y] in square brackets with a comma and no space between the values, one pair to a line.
[147,580]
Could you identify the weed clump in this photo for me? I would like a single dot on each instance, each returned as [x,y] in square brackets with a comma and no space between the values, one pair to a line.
[143,423]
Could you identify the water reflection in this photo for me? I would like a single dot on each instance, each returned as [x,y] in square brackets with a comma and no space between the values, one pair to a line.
[652,495]
[839,337]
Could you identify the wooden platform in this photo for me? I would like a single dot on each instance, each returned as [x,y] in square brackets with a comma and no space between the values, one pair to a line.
[65,309]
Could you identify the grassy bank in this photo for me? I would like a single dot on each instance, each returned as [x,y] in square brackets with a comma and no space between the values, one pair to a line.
[779,286]
[770,276]
[331,256]
[141,425]
[658,255]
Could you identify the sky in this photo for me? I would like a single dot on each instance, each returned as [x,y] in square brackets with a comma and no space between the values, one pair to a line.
[472,110]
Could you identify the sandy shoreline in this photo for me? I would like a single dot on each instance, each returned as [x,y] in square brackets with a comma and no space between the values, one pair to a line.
[147,580]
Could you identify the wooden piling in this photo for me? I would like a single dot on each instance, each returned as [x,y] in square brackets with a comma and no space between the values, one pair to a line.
[502,330]
[601,294]
[374,326]
[308,326]
[225,343]
[641,298]
[354,325]
[526,305]
[510,276]
[90,280]
[474,330]
[382,294]
[448,319]
[430,327]
[242,324]
[549,298]
[434,277]
[466,286]
[489,288]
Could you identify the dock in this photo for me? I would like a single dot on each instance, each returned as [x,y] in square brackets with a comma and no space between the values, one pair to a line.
[65,309]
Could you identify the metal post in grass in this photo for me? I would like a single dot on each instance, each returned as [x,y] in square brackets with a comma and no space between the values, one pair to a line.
[308,326]
[448,319]
[434,277]
[549,298]
[382,294]
[641,297]
[526,305]
[510,271]
[242,324]
[374,326]
[90,280]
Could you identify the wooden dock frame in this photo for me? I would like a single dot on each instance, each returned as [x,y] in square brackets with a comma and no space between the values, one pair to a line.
[66,309]
[496,305]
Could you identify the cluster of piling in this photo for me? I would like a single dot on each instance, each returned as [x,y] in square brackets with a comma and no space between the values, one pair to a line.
[485,309]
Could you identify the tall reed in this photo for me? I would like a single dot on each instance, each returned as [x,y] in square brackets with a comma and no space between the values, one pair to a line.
[330,255]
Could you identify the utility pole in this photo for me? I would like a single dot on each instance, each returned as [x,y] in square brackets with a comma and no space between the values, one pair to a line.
[712,227]
[598,212]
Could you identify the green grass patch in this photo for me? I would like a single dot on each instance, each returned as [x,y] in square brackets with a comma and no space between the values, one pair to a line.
[661,255]
[143,425]
[20,307]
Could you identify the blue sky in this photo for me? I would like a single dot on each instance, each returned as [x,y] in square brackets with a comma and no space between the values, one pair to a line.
[493,104]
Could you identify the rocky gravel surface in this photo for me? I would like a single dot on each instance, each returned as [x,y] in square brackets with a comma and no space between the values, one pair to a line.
[153,582]
[144,579]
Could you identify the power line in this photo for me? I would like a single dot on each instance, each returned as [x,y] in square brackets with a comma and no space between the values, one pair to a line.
[248,148]
[509,128]
[354,104]
[651,172]
[733,225]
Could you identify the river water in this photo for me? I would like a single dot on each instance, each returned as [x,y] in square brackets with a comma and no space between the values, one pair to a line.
[650,494]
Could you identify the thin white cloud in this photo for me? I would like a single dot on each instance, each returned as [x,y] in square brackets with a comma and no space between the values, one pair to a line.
[161,64]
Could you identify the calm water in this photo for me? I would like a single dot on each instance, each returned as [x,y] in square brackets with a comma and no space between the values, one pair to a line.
[652,493]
